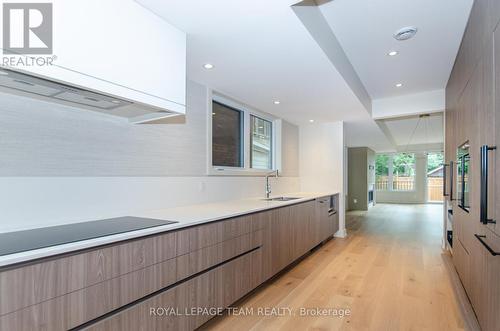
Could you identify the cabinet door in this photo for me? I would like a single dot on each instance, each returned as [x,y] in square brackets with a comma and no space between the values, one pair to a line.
[461,262]
[494,12]
[325,228]
[494,168]
[281,239]
[120,48]
[482,133]
[493,284]
[336,225]
[301,228]
[450,150]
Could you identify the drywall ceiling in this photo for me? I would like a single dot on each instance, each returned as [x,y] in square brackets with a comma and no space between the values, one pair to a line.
[366,133]
[264,51]
[365,30]
[397,134]
[416,130]
[261,53]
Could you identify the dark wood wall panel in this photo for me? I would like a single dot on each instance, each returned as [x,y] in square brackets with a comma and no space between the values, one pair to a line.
[472,115]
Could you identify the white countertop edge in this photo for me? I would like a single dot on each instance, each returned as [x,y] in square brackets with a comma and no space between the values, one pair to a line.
[27,256]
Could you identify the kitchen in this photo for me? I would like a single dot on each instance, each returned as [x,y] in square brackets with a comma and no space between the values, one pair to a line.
[162,171]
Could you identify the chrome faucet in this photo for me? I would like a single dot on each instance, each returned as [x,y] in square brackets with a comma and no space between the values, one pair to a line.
[268,186]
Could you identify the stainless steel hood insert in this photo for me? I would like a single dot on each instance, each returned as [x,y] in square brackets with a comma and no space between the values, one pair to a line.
[47,88]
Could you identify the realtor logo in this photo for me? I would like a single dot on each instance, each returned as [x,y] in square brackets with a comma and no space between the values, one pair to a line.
[27,28]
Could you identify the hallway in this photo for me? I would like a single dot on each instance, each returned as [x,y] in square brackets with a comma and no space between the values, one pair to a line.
[389,274]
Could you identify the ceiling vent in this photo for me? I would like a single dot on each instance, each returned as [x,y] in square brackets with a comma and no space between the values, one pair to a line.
[405,33]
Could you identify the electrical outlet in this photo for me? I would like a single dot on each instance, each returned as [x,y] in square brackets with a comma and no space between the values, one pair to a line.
[355,200]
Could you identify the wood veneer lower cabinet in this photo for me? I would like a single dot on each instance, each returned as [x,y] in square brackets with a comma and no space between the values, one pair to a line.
[492,306]
[462,263]
[293,231]
[328,222]
[55,277]
[211,265]
[78,307]
[485,282]
[192,303]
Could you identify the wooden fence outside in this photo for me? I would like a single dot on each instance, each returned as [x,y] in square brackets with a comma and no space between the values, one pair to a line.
[434,186]
[398,184]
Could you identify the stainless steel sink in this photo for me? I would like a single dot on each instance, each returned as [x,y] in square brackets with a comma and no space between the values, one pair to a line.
[281,199]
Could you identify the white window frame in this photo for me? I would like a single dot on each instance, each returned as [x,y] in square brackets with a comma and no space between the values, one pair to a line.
[246,170]
[390,176]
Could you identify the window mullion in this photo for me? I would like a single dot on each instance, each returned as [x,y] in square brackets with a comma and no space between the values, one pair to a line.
[246,139]
[390,174]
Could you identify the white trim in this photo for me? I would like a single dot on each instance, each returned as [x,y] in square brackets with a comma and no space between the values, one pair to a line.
[277,144]
[342,233]
[246,170]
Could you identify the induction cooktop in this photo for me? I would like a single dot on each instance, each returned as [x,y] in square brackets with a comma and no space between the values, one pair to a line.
[22,241]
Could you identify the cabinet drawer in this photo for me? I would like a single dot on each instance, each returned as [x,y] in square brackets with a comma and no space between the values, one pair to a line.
[493,283]
[209,234]
[462,264]
[76,308]
[215,289]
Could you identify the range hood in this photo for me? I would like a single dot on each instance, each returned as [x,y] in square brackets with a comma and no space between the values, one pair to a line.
[50,90]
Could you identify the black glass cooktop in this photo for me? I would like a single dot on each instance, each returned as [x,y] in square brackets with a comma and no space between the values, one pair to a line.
[21,241]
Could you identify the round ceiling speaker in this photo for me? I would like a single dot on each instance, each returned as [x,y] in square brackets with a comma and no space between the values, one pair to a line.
[405,33]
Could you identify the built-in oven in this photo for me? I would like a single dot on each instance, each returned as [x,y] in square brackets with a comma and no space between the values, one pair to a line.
[463,178]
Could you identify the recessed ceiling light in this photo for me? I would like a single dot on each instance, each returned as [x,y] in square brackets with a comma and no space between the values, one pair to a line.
[405,33]
[311,121]
[115,101]
[393,53]
[277,102]
[208,66]
[399,85]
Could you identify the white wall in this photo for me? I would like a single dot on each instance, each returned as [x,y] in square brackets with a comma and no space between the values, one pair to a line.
[61,164]
[322,161]
[419,195]
[30,202]
[44,139]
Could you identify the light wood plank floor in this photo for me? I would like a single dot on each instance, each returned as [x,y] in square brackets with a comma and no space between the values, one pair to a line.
[389,272]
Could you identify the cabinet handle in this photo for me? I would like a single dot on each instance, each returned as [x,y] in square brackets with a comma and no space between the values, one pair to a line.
[452,176]
[483,207]
[480,238]
[444,179]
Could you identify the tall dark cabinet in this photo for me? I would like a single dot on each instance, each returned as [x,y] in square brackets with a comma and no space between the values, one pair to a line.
[473,120]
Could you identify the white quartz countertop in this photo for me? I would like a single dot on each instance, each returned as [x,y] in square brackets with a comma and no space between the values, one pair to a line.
[185,216]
